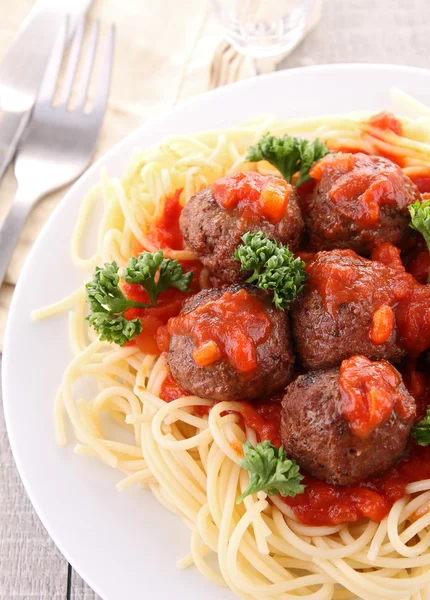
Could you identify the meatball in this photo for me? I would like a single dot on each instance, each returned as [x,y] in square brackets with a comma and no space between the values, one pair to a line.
[358,202]
[253,348]
[321,428]
[345,309]
[214,231]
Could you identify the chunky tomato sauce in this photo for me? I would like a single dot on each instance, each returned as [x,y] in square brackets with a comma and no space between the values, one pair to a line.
[231,327]
[326,504]
[255,196]
[169,304]
[386,121]
[417,381]
[264,418]
[369,392]
[372,188]
[340,284]
[166,232]
[412,310]
[422,181]
[171,390]
[413,320]
[400,301]
[420,267]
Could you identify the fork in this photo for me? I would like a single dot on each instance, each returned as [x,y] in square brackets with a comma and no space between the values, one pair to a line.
[58,143]
[225,66]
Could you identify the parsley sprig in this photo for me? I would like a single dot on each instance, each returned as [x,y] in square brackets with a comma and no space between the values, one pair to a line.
[420,218]
[143,269]
[273,267]
[288,154]
[108,303]
[270,471]
[421,431]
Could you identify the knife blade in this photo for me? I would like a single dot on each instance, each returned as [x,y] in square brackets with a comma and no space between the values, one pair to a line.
[23,66]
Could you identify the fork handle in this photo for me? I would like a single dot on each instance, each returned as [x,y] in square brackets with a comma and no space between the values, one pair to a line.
[10,232]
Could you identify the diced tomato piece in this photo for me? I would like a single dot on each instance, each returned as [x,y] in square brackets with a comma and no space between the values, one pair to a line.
[387,121]
[382,326]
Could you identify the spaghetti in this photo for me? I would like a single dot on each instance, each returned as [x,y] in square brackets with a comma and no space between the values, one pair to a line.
[188,456]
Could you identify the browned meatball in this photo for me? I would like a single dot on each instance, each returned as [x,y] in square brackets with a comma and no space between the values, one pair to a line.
[318,432]
[237,313]
[214,232]
[345,309]
[359,201]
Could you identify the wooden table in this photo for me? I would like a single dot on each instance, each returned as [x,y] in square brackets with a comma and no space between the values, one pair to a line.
[384,31]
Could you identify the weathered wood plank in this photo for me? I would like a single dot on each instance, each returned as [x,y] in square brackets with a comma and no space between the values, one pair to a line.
[31,567]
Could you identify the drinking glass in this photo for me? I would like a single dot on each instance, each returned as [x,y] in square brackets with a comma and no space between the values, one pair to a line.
[264,28]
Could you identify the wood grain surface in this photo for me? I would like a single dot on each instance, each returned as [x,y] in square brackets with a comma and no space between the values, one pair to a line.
[385,31]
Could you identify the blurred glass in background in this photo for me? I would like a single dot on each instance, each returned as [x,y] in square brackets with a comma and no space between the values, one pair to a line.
[264,28]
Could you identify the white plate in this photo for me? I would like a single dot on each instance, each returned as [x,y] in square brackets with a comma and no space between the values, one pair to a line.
[125,545]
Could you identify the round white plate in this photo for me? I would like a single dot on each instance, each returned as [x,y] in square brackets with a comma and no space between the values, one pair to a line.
[125,544]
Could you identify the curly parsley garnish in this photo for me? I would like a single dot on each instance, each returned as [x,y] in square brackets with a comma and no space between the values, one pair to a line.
[420,219]
[421,431]
[142,270]
[273,267]
[108,303]
[288,154]
[270,471]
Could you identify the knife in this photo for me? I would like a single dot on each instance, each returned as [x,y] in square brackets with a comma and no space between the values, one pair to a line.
[23,66]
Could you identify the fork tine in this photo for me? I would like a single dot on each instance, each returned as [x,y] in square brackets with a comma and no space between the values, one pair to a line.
[72,63]
[88,66]
[49,81]
[104,77]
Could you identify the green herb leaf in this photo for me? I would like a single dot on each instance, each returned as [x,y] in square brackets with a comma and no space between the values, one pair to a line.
[270,471]
[273,267]
[288,154]
[142,270]
[421,431]
[420,219]
[117,330]
[108,303]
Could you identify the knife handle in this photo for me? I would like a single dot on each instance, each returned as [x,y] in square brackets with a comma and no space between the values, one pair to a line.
[10,232]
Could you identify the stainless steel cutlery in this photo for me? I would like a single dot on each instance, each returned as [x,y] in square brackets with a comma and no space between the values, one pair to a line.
[59,141]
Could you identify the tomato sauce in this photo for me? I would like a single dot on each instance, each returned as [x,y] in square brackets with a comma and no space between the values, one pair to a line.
[169,304]
[326,504]
[231,326]
[413,320]
[171,390]
[369,392]
[420,267]
[253,195]
[371,188]
[386,121]
[422,182]
[166,233]
[264,418]
[340,284]
[382,324]
[412,311]
[417,381]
